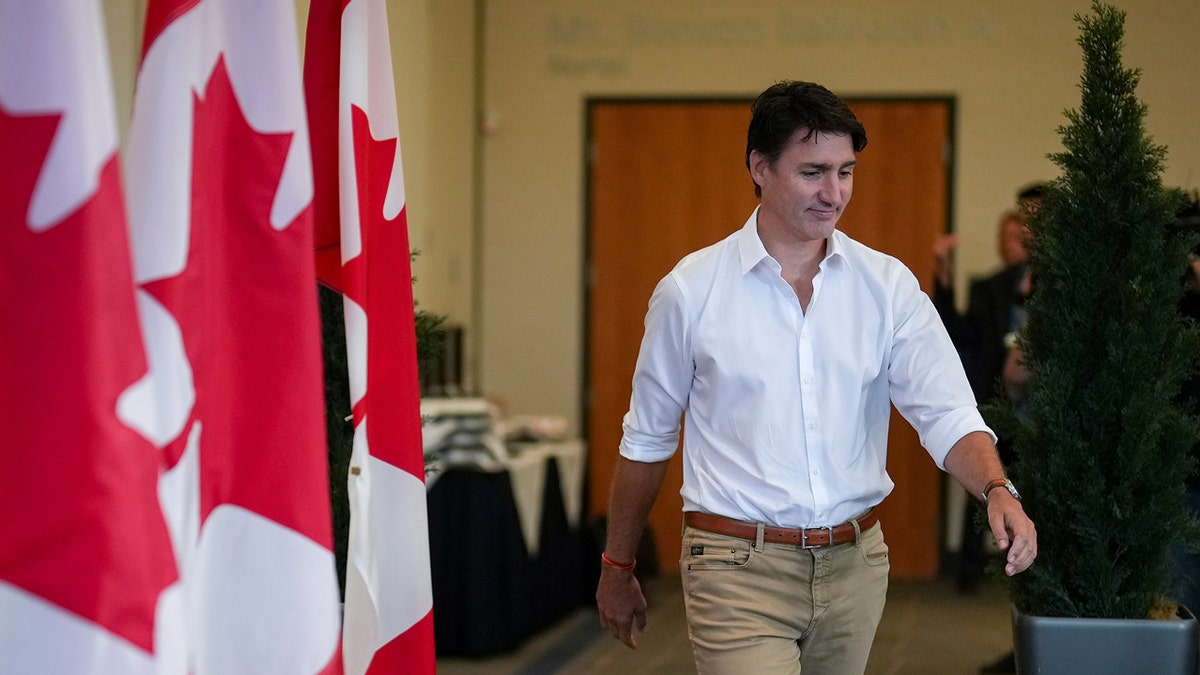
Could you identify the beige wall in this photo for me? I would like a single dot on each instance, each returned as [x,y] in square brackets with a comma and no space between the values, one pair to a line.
[1012,66]
[123,20]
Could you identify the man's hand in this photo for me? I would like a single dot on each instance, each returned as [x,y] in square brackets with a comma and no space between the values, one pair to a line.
[621,603]
[619,595]
[973,462]
[943,246]
[1013,530]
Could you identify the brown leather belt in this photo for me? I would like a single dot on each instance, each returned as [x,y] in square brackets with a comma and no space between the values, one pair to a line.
[805,538]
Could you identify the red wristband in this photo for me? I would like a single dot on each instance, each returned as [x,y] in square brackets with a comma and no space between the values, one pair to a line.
[616,565]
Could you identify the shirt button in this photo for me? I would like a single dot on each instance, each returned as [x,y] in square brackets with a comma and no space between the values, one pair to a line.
[816,472]
[820,514]
[808,380]
[812,425]
[803,335]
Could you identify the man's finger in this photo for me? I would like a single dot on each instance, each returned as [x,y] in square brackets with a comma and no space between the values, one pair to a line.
[1000,530]
[1000,534]
[1023,550]
[626,636]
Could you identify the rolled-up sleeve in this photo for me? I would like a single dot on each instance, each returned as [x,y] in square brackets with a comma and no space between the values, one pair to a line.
[928,384]
[662,378]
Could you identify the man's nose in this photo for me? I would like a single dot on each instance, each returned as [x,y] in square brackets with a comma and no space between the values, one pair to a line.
[830,191]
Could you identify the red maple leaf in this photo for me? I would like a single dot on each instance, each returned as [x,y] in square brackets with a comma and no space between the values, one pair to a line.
[78,490]
[379,279]
[246,304]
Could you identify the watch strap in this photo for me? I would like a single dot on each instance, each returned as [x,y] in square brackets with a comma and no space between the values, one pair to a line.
[999,482]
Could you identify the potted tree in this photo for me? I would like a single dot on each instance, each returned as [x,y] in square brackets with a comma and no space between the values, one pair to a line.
[1102,444]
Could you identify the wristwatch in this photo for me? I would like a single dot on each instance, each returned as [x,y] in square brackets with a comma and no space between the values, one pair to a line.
[1004,483]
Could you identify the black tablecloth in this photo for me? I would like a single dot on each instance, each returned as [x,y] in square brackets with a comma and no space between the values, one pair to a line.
[488,592]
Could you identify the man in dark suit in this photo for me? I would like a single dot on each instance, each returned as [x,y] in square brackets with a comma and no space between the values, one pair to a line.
[994,311]
[982,337]
[993,308]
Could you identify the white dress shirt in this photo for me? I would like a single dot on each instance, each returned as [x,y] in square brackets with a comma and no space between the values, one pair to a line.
[787,412]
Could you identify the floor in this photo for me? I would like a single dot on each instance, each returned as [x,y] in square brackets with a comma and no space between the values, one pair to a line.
[928,628]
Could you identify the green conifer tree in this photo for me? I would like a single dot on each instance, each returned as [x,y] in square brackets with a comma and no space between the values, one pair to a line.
[1102,445]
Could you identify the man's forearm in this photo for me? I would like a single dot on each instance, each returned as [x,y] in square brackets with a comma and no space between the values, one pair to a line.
[635,486]
[973,461]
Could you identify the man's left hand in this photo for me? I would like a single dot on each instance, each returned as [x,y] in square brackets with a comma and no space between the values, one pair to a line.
[1013,531]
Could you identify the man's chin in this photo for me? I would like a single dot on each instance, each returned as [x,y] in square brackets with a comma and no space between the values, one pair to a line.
[821,228]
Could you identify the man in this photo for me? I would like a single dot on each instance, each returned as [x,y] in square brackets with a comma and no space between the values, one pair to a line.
[994,302]
[783,347]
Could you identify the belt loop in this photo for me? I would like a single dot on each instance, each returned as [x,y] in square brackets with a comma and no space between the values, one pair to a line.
[857,532]
[758,537]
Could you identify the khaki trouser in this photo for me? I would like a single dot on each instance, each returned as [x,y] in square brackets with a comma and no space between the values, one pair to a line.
[781,608]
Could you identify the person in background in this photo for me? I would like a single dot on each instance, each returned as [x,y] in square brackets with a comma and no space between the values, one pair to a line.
[993,306]
[783,348]
[993,311]
[1014,383]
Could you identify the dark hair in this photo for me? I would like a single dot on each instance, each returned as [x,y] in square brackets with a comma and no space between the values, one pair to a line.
[786,107]
[1189,211]
[1032,191]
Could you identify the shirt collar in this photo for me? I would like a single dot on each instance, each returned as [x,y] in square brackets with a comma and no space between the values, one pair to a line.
[836,250]
[752,251]
[750,246]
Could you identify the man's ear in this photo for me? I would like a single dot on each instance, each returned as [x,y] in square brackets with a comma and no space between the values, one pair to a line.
[759,165]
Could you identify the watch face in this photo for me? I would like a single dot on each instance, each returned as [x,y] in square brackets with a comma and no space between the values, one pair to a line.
[1012,489]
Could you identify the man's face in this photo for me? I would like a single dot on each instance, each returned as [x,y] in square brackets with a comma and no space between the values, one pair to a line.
[1013,237]
[808,187]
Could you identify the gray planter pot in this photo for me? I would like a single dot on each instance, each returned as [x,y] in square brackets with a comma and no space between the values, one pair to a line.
[1069,646]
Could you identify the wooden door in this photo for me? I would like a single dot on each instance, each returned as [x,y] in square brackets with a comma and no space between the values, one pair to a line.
[668,177]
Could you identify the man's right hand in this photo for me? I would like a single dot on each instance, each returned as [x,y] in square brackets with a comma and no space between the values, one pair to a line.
[943,246]
[621,603]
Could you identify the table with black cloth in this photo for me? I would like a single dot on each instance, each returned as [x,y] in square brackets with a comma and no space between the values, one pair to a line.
[502,570]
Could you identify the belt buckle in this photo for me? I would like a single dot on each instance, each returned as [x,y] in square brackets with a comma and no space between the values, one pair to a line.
[804,537]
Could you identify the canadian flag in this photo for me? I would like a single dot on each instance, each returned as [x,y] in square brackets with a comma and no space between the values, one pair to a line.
[363,251]
[220,189]
[85,557]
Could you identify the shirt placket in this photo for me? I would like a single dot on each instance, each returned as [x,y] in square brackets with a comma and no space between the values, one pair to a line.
[814,435]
